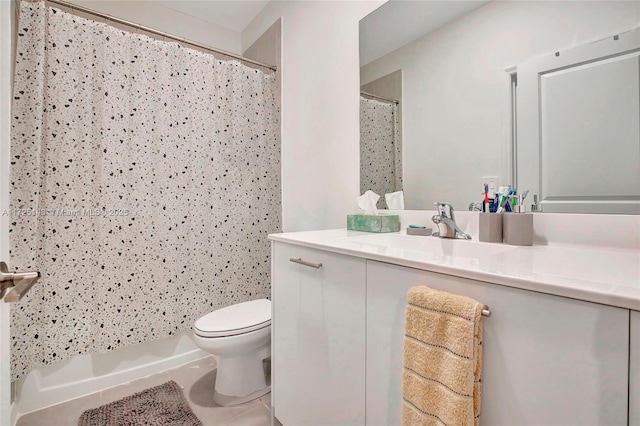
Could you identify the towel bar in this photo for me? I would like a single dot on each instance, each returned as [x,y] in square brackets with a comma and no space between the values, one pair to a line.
[486,312]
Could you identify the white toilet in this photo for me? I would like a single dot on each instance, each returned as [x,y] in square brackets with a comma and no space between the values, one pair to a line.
[239,336]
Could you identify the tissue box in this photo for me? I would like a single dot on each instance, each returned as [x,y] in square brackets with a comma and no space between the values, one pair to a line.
[373,223]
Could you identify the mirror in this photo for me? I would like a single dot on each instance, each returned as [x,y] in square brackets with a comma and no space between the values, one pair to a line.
[452,65]
[578,128]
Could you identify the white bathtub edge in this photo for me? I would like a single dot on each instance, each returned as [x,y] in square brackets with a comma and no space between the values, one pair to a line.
[51,385]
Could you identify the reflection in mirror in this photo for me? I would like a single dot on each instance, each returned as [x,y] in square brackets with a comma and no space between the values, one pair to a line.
[457,121]
[578,143]
[380,147]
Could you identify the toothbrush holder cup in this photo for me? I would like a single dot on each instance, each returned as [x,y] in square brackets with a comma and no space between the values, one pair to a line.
[517,229]
[490,227]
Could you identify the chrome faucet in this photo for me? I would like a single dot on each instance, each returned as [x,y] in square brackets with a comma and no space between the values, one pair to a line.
[447,223]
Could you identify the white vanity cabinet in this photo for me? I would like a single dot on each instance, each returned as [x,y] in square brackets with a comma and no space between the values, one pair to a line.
[318,337]
[548,360]
[634,370]
[338,344]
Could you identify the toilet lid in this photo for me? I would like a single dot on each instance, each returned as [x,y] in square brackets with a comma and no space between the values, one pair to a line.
[235,319]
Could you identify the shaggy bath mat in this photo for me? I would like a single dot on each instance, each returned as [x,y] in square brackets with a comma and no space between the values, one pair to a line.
[161,405]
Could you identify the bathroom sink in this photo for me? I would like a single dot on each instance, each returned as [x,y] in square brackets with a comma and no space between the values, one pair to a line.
[468,249]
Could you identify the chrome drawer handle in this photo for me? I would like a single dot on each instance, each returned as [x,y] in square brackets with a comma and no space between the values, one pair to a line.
[302,262]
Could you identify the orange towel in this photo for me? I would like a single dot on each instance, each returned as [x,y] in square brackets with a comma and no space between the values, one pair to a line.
[442,378]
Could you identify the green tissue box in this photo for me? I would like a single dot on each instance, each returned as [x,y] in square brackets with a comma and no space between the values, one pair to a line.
[373,223]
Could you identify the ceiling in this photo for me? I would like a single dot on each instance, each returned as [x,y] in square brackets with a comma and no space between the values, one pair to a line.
[232,15]
[398,22]
[392,25]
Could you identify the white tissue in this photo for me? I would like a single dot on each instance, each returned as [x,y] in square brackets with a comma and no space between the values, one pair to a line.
[395,200]
[367,202]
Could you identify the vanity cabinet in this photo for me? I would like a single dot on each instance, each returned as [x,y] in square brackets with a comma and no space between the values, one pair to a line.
[338,344]
[634,370]
[548,360]
[318,337]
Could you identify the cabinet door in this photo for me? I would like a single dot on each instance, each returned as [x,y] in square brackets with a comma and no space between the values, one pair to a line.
[547,360]
[318,338]
[634,371]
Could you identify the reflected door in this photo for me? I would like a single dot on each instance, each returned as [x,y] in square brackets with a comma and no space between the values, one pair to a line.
[579,127]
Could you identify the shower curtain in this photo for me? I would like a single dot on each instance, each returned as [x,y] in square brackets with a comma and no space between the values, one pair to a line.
[145,178]
[380,148]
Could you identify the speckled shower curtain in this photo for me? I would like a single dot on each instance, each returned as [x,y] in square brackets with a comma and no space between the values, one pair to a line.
[380,149]
[145,178]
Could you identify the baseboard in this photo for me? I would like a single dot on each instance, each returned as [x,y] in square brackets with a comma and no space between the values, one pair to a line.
[86,374]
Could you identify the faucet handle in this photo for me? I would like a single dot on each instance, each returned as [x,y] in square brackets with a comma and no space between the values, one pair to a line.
[536,207]
[444,208]
[441,203]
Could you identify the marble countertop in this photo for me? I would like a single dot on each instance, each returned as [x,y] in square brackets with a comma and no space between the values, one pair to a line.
[609,276]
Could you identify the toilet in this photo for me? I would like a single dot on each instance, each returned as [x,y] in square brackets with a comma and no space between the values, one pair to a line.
[239,337]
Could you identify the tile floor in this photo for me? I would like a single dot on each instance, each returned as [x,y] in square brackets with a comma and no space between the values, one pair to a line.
[197,380]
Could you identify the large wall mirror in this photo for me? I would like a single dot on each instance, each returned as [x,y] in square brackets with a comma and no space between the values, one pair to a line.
[462,80]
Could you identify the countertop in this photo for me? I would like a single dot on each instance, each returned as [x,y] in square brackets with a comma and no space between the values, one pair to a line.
[601,275]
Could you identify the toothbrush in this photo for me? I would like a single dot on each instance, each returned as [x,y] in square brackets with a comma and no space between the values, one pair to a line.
[486,199]
[510,201]
[501,201]
[510,193]
[505,198]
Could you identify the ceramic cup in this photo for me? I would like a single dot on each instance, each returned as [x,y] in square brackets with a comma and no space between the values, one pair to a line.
[517,229]
[490,227]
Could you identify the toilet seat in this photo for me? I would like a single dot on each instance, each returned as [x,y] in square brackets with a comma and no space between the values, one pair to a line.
[235,319]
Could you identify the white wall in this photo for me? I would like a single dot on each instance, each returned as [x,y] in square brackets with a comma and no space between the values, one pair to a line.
[158,17]
[320,108]
[456,116]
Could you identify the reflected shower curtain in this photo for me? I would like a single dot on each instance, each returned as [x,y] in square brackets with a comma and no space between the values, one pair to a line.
[380,148]
[145,178]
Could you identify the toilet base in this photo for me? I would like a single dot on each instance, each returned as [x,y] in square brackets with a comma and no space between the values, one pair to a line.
[227,401]
[242,378]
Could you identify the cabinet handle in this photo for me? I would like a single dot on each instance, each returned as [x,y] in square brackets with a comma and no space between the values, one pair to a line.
[302,262]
